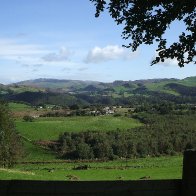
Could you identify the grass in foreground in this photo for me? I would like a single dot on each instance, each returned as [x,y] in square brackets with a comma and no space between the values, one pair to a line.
[134,169]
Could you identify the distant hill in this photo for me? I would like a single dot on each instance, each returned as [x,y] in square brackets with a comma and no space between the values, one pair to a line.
[64,92]
[74,85]
[64,85]
[182,89]
[190,81]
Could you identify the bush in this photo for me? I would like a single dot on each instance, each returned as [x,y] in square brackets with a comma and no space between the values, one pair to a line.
[74,107]
[84,151]
[28,118]
[117,115]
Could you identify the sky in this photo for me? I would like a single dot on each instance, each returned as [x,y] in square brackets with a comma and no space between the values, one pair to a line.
[62,39]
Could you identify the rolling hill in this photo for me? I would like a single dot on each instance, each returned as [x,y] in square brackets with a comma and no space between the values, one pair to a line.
[78,85]
[67,92]
[54,84]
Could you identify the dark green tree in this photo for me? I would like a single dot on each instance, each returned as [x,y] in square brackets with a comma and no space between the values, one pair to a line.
[145,22]
[74,107]
[10,145]
[28,118]
[84,151]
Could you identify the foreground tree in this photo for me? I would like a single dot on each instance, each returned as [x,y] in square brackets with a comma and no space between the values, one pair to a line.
[10,146]
[145,22]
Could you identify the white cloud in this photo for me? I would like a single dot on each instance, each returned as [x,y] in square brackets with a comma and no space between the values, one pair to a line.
[67,69]
[13,50]
[33,55]
[33,65]
[34,70]
[21,60]
[83,69]
[62,55]
[37,65]
[25,65]
[173,62]
[169,62]
[110,52]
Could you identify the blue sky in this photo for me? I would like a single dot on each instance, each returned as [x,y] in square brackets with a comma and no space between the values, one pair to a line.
[62,39]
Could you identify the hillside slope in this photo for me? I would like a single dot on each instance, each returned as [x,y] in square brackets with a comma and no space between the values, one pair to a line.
[68,92]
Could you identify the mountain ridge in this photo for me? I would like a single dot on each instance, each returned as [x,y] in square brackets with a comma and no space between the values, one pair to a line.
[92,92]
[65,85]
[141,81]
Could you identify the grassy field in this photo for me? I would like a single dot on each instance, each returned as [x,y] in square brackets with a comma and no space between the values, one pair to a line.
[161,87]
[191,81]
[52,168]
[35,153]
[18,107]
[153,168]
[50,128]
[19,110]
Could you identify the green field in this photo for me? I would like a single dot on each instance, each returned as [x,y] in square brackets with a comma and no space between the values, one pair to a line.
[161,87]
[47,166]
[153,168]
[18,107]
[33,152]
[50,128]
[21,89]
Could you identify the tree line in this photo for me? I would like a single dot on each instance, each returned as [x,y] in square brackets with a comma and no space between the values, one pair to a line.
[160,135]
[10,143]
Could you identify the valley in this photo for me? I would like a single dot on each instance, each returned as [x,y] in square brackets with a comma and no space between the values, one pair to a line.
[72,130]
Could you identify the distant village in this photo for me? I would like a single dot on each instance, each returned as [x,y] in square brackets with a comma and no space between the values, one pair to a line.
[74,110]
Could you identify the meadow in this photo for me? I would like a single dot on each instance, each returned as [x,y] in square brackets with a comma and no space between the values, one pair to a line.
[17,107]
[132,169]
[50,128]
[38,163]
